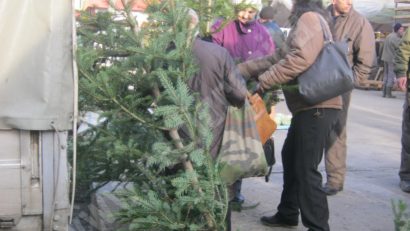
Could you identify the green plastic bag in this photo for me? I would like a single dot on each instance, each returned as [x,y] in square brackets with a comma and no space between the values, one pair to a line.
[241,153]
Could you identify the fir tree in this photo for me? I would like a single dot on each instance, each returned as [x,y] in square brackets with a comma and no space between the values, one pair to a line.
[135,77]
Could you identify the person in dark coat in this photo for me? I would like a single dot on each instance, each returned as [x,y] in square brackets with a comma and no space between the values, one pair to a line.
[219,84]
[390,45]
[401,68]
[245,39]
[310,125]
[266,17]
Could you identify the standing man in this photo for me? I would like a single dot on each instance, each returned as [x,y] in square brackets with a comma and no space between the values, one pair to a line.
[353,27]
[266,17]
[391,43]
[401,62]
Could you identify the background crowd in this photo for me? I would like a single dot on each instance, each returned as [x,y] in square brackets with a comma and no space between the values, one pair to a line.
[258,46]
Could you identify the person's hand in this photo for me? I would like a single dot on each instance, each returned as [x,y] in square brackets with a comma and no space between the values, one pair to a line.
[402,83]
[259,90]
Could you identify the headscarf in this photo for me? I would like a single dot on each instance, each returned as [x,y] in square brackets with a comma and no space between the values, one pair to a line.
[241,4]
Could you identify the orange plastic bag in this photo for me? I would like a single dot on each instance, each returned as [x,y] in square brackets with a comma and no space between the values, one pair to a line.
[265,125]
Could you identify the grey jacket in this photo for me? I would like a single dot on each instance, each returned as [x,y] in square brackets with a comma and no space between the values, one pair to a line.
[390,46]
[219,85]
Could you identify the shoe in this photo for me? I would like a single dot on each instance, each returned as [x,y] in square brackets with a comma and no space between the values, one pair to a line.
[331,191]
[236,203]
[238,199]
[405,185]
[388,93]
[277,221]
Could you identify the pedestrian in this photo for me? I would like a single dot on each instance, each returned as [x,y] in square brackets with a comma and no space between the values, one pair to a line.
[310,124]
[219,84]
[266,17]
[390,45]
[351,26]
[402,62]
[244,38]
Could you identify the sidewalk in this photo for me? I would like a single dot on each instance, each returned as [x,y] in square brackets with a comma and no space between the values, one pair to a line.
[374,131]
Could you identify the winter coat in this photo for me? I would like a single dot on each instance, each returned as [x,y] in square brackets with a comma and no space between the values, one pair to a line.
[402,60]
[360,36]
[390,45]
[305,42]
[244,42]
[402,57]
[276,33]
[219,85]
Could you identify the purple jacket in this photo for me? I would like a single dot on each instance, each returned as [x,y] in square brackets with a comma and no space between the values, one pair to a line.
[244,42]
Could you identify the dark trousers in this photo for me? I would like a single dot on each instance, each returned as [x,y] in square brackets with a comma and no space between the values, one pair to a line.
[229,219]
[404,172]
[237,188]
[301,155]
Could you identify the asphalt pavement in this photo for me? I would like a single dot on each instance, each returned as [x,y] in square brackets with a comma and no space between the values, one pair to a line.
[372,182]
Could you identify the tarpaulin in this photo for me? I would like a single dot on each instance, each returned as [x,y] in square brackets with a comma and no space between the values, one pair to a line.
[36,65]
[379,11]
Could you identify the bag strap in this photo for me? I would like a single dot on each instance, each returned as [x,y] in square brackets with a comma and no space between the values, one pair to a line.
[268,174]
[327,35]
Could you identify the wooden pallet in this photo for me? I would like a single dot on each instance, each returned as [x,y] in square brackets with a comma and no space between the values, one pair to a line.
[402,12]
[372,84]
[376,83]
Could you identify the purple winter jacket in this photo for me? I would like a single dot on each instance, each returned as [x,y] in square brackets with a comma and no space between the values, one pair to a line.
[243,42]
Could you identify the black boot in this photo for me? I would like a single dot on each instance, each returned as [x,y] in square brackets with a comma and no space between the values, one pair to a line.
[388,93]
[278,221]
[384,91]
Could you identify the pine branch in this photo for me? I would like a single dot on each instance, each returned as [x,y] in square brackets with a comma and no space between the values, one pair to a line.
[125,55]
[189,168]
[129,17]
[185,162]
[123,108]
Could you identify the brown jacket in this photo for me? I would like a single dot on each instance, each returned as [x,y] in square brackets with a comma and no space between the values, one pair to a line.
[358,31]
[305,41]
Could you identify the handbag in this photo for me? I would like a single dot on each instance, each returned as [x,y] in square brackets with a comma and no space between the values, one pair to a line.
[330,75]
[269,150]
[241,154]
[265,125]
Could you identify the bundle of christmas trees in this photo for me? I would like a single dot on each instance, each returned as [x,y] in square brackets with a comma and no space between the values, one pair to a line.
[134,75]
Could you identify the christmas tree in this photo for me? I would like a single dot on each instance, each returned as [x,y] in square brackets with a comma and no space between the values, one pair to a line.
[134,75]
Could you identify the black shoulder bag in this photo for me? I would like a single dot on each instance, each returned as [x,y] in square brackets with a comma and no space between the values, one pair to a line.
[330,75]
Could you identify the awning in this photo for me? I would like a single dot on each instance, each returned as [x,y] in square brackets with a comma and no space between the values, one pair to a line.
[36,65]
[138,5]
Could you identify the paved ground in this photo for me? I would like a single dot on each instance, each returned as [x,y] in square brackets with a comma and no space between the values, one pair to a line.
[374,129]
